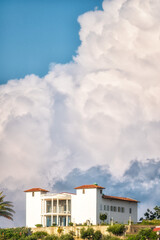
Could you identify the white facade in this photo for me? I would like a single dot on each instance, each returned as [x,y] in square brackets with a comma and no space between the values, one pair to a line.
[84,206]
[47,209]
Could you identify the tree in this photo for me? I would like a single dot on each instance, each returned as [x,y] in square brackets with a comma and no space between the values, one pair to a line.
[150,215]
[103,217]
[117,229]
[6,208]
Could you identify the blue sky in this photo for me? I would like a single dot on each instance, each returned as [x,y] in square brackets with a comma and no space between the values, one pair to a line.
[35,33]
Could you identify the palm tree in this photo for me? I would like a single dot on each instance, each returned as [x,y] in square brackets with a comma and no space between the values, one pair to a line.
[6,208]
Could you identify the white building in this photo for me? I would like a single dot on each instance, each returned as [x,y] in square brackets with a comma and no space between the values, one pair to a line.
[84,206]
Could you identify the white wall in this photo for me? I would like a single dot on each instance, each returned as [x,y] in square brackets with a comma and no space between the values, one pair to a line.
[84,206]
[33,209]
[121,217]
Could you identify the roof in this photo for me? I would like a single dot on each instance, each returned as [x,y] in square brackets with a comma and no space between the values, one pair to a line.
[89,186]
[119,198]
[36,190]
[156,229]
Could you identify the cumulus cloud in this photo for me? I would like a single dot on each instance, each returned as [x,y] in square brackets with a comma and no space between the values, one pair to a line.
[101,109]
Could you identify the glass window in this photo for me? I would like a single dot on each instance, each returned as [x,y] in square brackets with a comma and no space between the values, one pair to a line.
[130,210]
[32,194]
[107,207]
[122,209]
[111,208]
[104,207]
[115,209]
[55,206]
[101,207]
[48,206]
[55,220]
[48,221]
[62,206]
[119,209]
[69,206]
[101,191]
[83,191]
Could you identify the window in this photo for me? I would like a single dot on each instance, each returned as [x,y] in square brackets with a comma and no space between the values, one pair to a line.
[107,207]
[48,207]
[83,191]
[32,194]
[119,209]
[104,207]
[115,209]
[111,208]
[101,191]
[130,210]
[122,209]
[101,207]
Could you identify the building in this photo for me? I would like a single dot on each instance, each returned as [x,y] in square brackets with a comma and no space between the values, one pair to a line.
[85,206]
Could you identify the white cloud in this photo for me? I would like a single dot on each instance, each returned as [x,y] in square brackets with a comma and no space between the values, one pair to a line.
[103,108]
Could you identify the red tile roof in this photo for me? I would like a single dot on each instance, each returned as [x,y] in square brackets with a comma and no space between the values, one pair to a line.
[36,190]
[119,198]
[156,229]
[89,186]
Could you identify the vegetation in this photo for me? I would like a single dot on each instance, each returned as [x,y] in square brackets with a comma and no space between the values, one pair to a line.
[66,237]
[150,222]
[89,233]
[38,225]
[103,217]
[150,215]
[14,233]
[60,230]
[117,229]
[107,237]
[6,208]
[71,224]
[144,234]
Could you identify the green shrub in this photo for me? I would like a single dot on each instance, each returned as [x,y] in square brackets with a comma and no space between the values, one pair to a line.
[72,233]
[54,225]
[60,230]
[145,234]
[14,233]
[88,233]
[52,237]
[106,237]
[117,229]
[40,234]
[66,237]
[38,225]
[97,235]
[71,224]
[150,222]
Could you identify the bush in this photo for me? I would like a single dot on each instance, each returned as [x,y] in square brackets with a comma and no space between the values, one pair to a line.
[117,229]
[109,238]
[60,230]
[88,233]
[146,234]
[72,233]
[150,222]
[52,237]
[38,225]
[71,224]
[66,237]
[14,233]
[54,225]
[40,234]
[97,235]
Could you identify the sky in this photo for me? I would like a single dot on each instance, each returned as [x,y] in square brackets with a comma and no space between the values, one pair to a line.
[79,98]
